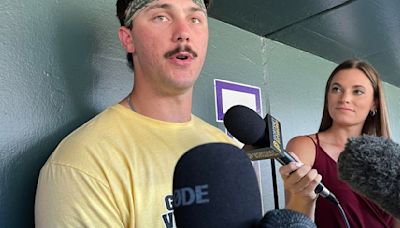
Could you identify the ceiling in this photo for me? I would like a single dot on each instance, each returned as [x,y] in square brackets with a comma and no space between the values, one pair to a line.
[332,29]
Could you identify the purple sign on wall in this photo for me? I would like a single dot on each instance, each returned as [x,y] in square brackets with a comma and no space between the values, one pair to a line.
[228,94]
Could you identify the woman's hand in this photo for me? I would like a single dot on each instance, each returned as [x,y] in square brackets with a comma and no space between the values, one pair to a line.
[300,182]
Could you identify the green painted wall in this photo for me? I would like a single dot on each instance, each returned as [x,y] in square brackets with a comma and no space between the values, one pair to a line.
[392,94]
[61,63]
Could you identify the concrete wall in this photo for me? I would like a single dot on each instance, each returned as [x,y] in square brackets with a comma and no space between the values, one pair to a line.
[61,63]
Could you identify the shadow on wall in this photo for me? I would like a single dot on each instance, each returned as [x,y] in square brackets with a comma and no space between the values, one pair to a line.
[76,48]
[76,44]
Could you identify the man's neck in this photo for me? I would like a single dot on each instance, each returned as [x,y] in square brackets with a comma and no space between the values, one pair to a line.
[176,109]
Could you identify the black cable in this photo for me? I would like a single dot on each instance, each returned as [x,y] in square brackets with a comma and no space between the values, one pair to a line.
[274,184]
[335,201]
[346,221]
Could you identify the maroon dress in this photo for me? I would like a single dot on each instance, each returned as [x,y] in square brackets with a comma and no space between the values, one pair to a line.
[360,211]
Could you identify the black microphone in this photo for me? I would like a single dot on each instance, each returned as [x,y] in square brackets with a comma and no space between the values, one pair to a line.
[285,218]
[265,135]
[371,166]
[215,185]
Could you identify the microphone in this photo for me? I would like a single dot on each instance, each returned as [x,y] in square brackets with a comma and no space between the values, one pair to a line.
[215,185]
[265,135]
[285,218]
[371,166]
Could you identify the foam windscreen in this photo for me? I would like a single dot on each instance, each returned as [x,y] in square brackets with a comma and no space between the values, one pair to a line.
[285,218]
[246,125]
[215,185]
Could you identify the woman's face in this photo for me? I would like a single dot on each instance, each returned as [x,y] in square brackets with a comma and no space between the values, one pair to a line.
[350,97]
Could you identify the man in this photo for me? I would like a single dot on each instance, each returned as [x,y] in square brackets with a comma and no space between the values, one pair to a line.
[116,170]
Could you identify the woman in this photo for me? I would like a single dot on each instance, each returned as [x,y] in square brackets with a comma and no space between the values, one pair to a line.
[354,105]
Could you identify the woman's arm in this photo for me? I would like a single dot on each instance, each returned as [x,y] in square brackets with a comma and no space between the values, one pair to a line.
[299,179]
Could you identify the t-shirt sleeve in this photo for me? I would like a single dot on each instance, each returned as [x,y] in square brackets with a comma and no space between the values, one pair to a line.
[68,197]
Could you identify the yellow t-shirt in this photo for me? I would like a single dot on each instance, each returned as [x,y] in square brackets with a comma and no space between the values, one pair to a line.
[116,171]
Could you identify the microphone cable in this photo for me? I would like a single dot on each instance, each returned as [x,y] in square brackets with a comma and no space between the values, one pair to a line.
[346,221]
[332,198]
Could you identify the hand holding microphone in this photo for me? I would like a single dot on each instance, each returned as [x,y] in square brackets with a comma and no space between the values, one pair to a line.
[215,186]
[300,179]
[265,135]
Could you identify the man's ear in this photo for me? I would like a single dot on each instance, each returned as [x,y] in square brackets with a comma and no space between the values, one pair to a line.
[126,39]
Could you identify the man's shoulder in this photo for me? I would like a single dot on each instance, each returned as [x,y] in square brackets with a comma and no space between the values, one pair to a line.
[91,140]
[200,123]
[212,130]
[99,126]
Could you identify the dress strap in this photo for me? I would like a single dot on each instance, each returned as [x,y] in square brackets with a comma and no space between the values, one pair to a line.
[315,143]
[316,136]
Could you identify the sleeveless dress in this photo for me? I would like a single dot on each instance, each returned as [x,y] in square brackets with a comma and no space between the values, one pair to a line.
[360,211]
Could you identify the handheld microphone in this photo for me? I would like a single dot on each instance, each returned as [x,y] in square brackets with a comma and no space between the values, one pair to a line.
[371,166]
[285,218]
[215,185]
[265,135]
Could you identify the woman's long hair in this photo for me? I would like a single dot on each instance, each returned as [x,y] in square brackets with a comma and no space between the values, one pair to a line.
[377,124]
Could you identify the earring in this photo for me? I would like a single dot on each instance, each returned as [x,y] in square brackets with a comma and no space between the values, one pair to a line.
[373,112]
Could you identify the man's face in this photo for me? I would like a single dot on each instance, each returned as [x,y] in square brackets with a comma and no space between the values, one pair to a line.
[169,44]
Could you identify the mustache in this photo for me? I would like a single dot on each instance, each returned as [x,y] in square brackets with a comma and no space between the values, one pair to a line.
[185,48]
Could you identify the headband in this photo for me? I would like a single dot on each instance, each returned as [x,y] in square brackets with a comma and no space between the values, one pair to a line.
[135,6]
